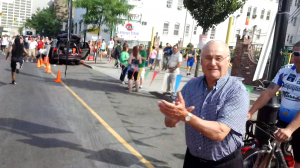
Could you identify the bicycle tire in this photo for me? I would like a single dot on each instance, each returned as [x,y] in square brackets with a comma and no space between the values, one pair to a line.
[253,154]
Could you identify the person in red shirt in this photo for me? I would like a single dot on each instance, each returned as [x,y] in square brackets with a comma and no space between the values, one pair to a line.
[40,46]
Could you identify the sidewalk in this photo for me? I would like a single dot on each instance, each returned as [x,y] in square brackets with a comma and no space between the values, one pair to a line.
[108,69]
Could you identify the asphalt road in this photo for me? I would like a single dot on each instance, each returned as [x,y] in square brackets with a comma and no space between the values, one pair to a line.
[43,125]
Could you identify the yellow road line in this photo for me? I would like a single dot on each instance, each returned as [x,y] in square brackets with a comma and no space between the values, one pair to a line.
[112,131]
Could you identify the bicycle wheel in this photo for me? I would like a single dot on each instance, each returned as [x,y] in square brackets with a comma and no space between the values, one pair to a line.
[257,158]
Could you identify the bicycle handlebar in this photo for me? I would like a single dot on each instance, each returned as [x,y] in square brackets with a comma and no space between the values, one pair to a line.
[269,129]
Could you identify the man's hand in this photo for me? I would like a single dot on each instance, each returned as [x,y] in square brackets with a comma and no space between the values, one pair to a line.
[249,116]
[172,70]
[175,110]
[283,134]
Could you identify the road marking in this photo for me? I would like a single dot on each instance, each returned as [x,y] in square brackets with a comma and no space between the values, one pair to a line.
[112,131]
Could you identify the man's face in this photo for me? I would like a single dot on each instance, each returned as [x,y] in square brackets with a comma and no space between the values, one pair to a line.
[215,61]
[175,49]
[141,47]
[296,58]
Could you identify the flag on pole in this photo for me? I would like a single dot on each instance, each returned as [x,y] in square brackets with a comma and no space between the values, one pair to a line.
[154,75]
[178,80]
[146,73]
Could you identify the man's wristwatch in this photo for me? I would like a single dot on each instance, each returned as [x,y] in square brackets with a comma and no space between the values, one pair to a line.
[188,117]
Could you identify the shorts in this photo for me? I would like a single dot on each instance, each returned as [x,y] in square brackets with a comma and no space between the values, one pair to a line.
[157,62]
[152,61]
[295,140]
[13,63]
[31,52]
[3,46]
[135,75]
[142,75]
[110,50]
[190,62]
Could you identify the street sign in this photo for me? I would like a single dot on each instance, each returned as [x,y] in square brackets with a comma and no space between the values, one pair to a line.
[202,41]
[6,29]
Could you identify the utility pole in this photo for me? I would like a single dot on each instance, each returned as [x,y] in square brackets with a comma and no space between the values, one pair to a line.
[69,34]
[268,113]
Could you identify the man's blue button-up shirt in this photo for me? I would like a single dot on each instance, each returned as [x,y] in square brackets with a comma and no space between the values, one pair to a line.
[226,103]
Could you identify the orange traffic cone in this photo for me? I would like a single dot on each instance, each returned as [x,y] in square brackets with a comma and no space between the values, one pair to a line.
[58,79]
[45,60]
[38,65]
[46,67]
[49,68]
[42,62]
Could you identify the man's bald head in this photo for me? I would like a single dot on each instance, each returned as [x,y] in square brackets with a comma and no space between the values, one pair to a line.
[218,42]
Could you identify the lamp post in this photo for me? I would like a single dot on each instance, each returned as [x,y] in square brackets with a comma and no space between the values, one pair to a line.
[69,34]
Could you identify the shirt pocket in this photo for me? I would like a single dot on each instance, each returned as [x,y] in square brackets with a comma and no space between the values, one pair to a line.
[209,112]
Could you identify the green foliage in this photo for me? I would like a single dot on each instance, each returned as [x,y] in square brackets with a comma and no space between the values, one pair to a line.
[101,12]
[45,21]
[209,13]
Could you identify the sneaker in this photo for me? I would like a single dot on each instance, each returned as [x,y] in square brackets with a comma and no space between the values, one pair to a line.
[13,82]
[123,83]
[27,61]
[31,61]
[140,87]
[187,74]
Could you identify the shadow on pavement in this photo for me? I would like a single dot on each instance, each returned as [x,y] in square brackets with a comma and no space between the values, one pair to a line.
[27,129]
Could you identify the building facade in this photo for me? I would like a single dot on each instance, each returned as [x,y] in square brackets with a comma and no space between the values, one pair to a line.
[14,14]
[293,30]
[172,22]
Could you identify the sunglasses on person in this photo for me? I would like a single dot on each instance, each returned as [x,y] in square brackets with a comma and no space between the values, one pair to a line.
[296,53]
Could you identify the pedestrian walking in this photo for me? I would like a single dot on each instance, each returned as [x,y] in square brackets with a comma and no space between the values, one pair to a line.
[124,63]
[159,58]
[4,44]
[32,48]
[111,45]
[167,54]
[214,108]
[16,51]
[142,66]
[191,57]
[173,69]
[117,54]
[152,57]
[102,48]
[134,60]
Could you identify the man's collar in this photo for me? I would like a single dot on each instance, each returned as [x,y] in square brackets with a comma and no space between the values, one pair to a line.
[220,83]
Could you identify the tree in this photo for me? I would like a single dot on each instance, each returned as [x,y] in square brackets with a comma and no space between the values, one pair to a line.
[99,12]
[209,13]
[45,21]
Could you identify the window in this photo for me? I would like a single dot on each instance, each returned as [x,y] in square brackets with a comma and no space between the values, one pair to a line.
[258,34]
[268,15]
[254,13]
[296,2]
[195,30]
[144,23]
[212,33]
[262,15]
[291,39]
[288,38]
[166,28]
[187,30]
[169,3]
[241,10]
[180,4]
[176,29]
[249,11]
[294,21]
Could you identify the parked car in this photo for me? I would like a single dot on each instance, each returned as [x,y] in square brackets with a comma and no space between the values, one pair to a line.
[58,51]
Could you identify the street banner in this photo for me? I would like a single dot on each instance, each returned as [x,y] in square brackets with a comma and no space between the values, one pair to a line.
[154,75]
[178,80]
[129,31]
[202,41]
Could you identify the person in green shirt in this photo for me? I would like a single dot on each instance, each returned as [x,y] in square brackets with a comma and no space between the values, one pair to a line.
[124,62]
[144,55]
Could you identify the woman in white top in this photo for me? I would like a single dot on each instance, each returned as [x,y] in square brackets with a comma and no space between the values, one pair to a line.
[4,43]
[102,48]
[159,58]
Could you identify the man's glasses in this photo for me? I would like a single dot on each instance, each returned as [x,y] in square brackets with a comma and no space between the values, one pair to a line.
[210,58]
[296,53]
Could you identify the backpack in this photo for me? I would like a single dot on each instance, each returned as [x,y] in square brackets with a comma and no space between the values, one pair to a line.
[118,50]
